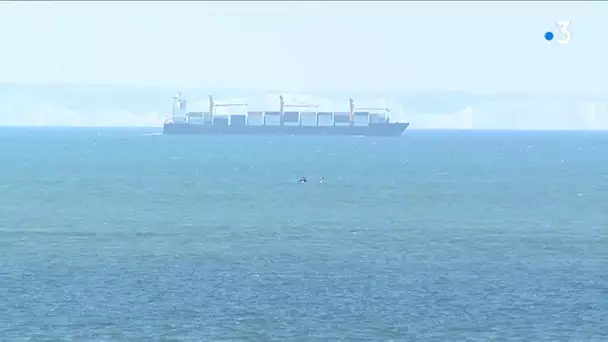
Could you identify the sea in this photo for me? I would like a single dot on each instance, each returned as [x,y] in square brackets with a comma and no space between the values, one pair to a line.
[111,234]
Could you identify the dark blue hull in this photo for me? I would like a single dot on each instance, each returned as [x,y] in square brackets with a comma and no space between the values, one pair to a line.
[377,129]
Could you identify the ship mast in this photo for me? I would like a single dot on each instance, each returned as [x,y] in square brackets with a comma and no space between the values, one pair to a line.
[212,105]
[283,106]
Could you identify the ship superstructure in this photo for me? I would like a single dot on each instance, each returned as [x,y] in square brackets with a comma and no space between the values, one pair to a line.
[297,119]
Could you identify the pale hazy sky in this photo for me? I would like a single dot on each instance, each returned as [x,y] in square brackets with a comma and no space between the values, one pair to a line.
[297,46]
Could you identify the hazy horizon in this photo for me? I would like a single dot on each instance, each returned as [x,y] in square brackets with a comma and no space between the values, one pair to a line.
[486,65]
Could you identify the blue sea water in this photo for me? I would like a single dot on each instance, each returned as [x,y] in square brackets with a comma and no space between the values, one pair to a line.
[117,234]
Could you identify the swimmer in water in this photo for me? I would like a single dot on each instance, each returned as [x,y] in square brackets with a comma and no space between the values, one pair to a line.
[302,180]
[322,180]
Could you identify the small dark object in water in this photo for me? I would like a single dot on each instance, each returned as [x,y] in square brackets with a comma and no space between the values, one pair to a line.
[302,180]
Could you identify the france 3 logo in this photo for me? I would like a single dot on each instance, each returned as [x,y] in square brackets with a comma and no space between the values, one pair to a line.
[562,34]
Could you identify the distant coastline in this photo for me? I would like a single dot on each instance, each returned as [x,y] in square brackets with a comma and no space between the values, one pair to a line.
[106,105]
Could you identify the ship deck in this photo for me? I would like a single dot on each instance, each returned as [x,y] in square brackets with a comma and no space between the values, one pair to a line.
[384,129]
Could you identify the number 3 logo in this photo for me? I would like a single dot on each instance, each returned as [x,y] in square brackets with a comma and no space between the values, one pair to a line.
[563,29]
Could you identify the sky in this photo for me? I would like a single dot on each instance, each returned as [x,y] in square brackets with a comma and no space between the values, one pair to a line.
[479,47]
[297,47]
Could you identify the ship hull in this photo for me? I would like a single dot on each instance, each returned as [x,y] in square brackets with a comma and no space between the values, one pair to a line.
[380,129]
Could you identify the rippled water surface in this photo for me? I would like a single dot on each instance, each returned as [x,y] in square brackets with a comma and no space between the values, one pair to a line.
[110,234]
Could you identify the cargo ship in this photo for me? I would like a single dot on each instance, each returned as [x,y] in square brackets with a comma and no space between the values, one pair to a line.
[357,121]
